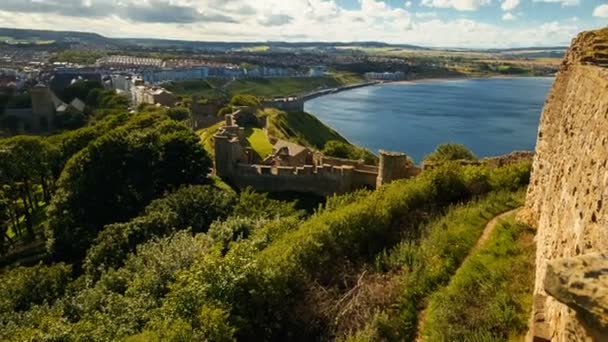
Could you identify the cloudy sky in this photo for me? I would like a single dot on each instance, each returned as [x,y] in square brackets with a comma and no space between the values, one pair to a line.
[453,23]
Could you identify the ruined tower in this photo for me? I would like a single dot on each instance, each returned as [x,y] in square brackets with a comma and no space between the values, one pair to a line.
[394,166]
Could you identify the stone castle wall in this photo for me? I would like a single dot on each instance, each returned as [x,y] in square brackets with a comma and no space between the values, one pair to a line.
[327,176]
[568,195]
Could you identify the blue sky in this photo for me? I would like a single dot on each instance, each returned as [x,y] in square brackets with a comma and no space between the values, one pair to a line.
[453,23]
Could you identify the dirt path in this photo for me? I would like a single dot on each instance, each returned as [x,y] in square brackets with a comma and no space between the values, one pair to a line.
[487,232]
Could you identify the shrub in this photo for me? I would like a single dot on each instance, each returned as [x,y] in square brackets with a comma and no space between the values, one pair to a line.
[23,287]
[190,207]
[449,152]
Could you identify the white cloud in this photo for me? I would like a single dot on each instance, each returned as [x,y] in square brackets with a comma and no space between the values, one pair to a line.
[460,5]
[601,11]
[408,4]
[509,5]
[424,15]
[306,20]
[564,3]
[508,16]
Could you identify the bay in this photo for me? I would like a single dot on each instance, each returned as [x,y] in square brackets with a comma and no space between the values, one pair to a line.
[491,116]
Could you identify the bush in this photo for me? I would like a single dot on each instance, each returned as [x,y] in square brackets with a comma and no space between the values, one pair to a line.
[190,207]
[23,287]
[245,100]
[116,175]
[179,113]
[449,152]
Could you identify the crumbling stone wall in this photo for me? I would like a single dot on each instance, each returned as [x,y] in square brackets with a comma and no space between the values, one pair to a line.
[326,176]
[568,196]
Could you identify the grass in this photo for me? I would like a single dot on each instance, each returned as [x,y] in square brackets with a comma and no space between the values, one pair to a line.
[273,87]
[301,128]
[262,87]
[206,135]
[257,139]
[420,268]
[501,275]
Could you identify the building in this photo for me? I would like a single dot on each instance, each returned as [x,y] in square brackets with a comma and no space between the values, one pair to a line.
[152,95]
[129,62]
[318,71]
[285,153]
[178,74]
[385,76]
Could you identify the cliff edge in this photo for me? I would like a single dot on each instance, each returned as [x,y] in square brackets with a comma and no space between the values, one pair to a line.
[568,198]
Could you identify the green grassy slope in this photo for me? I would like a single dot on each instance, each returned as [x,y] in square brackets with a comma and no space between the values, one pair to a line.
[301,128]
[501,275]
[257,139]
[261,87]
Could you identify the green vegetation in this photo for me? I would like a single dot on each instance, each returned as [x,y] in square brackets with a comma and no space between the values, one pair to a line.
[257,139]
[425,266]
[450,152]
[143,245]
[501,275]
[260,87]
[301,128]
[344,150]
[111,167]
[88,57]
[206,136]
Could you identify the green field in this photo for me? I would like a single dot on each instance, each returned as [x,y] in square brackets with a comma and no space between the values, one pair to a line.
[214,88]
[257,139]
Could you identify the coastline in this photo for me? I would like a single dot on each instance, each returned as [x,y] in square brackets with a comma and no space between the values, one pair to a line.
[330,91]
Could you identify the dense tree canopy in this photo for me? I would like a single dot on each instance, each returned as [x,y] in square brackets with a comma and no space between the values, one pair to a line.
[115,176]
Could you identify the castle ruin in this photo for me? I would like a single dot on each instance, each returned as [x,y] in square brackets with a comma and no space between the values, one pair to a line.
[295,168]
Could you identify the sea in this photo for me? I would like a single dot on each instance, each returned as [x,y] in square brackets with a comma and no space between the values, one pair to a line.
[491,116]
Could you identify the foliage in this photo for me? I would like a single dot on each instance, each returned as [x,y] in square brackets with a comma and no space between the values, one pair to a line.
[25,167]
[449,152]
[301,128]
[245,100]
[426,265]
[87,57]
[179,113]
[79,90]
[23,287]
[501,275]
[257,205]
[111,168]
[340,149]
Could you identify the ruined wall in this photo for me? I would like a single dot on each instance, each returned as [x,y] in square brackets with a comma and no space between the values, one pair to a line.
[323,181]
[568,195]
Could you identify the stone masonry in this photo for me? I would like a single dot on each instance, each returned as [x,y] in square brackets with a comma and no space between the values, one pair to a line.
[568,198]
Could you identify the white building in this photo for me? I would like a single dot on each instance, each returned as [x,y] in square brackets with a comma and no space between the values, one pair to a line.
[165,75]
[318,71]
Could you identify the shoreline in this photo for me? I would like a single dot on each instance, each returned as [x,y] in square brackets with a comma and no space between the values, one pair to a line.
[330,91]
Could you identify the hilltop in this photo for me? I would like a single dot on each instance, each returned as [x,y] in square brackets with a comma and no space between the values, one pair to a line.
[12,35]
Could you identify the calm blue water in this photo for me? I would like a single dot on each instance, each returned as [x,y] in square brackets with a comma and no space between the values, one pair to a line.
[490,116]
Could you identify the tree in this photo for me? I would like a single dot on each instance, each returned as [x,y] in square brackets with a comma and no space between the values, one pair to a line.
[191,207]
[339,149]
[115,176]
[245,100]
[24,166]
[179,113]
[450,152]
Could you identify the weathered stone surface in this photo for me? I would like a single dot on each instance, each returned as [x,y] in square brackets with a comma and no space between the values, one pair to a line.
[581,283]
[568,195]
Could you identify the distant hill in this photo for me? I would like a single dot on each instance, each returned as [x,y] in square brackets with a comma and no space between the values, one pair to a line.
[92,39]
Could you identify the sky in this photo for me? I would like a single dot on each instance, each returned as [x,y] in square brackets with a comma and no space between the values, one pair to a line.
[432,23]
